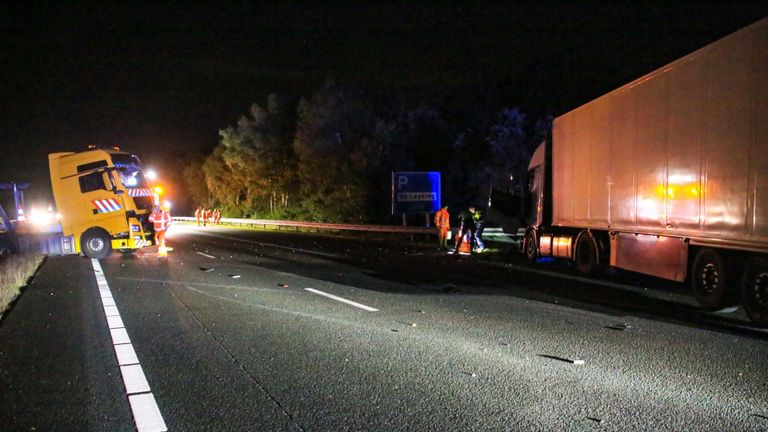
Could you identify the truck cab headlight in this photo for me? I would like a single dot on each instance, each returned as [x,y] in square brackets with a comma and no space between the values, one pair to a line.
[135,228]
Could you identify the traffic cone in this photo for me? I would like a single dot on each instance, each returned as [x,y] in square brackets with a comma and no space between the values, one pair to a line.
[465,248]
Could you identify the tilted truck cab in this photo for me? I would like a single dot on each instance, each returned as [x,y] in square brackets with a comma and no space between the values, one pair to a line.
[104,201]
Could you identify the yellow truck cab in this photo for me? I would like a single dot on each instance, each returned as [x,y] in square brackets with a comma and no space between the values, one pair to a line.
[104,201]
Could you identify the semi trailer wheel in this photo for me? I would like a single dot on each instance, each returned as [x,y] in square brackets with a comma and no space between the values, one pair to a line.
[709,280]
[754,292]
[96,244]
[587,258]
[530,246]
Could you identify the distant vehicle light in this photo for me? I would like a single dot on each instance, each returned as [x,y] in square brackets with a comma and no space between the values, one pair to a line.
[167,204]
[151,175]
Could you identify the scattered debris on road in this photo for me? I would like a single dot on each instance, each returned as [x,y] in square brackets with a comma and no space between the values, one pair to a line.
[284,285]
[207,270]
[595,419]
[576,361]
[234,276]
[760,416]
[619,327]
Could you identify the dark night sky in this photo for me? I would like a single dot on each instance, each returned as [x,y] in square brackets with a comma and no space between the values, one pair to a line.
[171,76]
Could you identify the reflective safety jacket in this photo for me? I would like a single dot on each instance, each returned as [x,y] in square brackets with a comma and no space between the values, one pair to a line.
[161,219]
[443,219]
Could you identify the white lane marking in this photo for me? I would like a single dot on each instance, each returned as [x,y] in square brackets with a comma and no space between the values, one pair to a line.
[115,322]
[343,300]
[276,246]
[205,255]
[134,379]
[119,336]
[126,355]
[146,413]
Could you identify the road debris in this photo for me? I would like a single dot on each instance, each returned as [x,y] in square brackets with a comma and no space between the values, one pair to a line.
[234,276]
[594,419]
[577,361]
[760,416]
[207,270]
[619,327]
[284,285]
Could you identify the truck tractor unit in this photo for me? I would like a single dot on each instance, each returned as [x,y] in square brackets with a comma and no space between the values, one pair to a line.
[104,203]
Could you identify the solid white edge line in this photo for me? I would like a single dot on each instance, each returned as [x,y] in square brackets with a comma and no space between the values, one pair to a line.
[205,255]
[146,413]
[134,379]
[126,355]
[343,300]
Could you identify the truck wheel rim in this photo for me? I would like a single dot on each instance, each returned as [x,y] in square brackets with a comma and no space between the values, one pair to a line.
[710,278]
[760,289]
[96,244]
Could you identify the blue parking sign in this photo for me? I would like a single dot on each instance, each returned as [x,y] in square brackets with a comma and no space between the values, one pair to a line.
[415,192]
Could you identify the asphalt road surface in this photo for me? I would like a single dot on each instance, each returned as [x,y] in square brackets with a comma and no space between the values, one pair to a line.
[252,330]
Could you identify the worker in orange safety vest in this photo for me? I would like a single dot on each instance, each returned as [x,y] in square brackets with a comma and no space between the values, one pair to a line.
[198,215]
[161,219]
[217,217]
[443,225]
[206,216]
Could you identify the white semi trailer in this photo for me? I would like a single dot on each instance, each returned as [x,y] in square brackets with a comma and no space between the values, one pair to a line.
[667,175]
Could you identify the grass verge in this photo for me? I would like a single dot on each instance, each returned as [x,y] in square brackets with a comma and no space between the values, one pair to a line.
[14,273]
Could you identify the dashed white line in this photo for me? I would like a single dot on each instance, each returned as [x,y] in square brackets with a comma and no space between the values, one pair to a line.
[119,336]
[134,379]
[115,322]
[146,413]
[205,255]
[343,300]
[126,355]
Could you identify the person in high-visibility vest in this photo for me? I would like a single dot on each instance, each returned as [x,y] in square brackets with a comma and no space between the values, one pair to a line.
[217,217]
[206,216]
[161,219]
[443,225]
[466,229]
[198,215]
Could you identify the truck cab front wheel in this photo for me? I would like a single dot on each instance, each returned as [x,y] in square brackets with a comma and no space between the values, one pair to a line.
[96,244]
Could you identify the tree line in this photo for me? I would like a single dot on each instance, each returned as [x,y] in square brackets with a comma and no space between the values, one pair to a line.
[329,157]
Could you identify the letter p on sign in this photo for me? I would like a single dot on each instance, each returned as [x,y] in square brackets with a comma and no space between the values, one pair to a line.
[401,181]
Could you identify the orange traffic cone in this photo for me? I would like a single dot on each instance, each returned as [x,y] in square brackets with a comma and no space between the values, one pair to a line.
[465,248]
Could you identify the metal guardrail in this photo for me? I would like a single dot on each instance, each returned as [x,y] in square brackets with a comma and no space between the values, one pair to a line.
[265,223]
[490,234]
